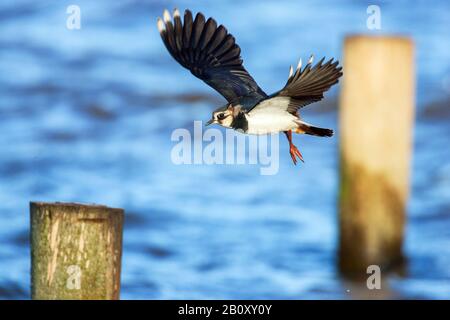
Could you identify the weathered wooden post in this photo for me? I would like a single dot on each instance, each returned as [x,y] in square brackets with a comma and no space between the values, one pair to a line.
[376,122]
[75,251]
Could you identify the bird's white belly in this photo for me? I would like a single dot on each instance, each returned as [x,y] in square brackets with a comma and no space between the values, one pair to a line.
[271,116]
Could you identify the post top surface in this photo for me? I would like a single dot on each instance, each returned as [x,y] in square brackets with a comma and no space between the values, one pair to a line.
[379,37]
[72,205]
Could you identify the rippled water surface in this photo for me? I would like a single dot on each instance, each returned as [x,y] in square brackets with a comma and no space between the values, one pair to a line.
[86,115]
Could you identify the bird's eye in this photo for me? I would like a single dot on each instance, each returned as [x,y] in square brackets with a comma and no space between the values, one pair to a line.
[221,116]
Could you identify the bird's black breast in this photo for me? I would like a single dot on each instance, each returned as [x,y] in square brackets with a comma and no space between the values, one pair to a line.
[240,122]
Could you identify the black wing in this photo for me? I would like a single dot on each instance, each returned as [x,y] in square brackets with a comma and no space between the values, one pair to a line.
[308,85]
[210,53]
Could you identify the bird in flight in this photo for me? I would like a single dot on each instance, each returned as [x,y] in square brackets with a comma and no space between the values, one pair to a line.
[212,55]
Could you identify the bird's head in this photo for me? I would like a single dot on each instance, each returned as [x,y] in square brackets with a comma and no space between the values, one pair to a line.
[224,115]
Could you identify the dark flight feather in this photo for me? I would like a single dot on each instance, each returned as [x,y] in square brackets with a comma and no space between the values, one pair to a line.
[211,54]
[308,85]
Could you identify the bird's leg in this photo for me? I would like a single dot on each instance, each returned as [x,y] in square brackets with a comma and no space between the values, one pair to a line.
[293,149]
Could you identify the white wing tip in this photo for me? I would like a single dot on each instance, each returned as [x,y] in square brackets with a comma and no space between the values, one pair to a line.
[161,26]
[291,71]
[176,13]
[311,59]
[166,15]
[299,65]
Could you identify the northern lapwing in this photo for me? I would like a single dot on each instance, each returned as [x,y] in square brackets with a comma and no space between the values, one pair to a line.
[211,54]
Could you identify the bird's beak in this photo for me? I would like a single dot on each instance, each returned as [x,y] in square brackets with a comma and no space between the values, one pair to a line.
[209,122]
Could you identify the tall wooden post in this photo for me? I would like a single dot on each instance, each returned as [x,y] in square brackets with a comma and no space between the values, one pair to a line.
[75,251]
[376,121]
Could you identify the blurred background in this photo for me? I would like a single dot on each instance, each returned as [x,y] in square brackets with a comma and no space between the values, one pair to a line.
[86,115]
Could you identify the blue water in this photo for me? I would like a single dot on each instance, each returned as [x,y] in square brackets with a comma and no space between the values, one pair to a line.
[86,115]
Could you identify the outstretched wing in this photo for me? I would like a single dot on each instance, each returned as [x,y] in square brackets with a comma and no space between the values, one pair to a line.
[210,53]
[308,85]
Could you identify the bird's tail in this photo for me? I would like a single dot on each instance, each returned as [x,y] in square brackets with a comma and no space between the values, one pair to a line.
[306,128]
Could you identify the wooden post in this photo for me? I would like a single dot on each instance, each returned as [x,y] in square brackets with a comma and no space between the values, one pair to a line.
[75,251]
[376,122]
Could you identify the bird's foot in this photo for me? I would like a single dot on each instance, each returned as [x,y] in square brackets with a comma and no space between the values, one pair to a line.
[295,153]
